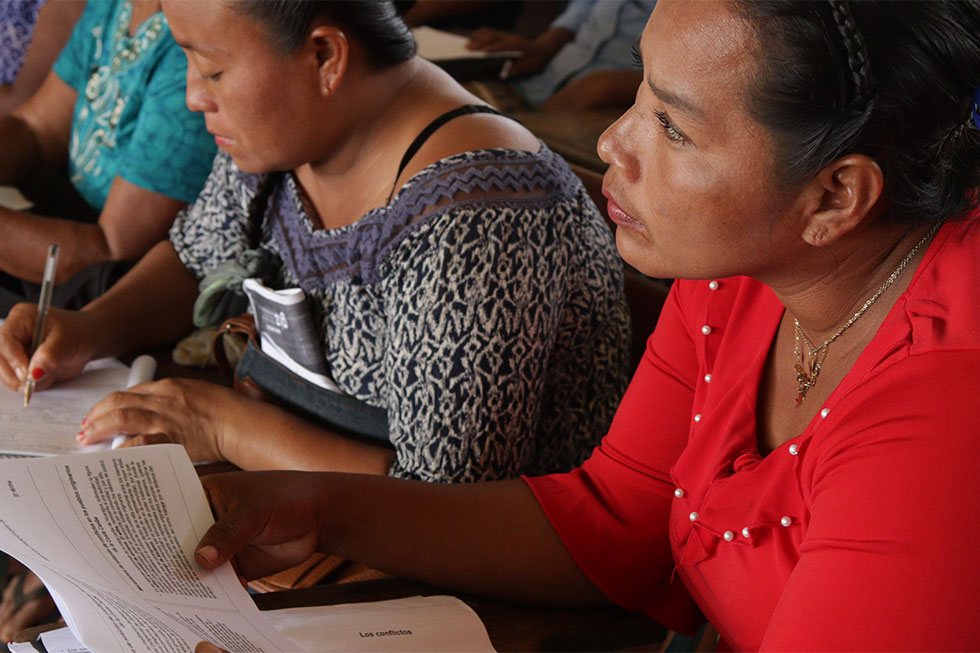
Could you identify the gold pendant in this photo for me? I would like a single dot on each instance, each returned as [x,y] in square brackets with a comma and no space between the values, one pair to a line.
[806,378]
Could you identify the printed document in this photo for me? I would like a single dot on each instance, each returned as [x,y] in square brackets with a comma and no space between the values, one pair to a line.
[418,624]
[112,535]
[287,333]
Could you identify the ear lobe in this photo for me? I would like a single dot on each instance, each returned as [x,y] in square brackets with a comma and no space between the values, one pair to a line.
[332,50]
[841,196]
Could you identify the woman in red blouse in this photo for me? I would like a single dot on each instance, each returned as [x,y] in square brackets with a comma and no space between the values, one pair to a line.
[797,458]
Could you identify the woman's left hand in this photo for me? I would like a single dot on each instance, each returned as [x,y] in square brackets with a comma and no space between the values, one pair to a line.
[182,411]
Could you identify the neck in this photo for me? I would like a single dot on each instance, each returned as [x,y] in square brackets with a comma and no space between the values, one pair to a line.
[837,280]
[142,9]
[368,105]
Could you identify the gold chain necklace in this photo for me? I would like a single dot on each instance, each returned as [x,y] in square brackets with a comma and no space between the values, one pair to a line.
[808,370]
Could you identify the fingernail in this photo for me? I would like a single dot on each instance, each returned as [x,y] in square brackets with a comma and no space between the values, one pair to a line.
[21,373]
[37,373]
[208,553]
[84,421]
[80,436]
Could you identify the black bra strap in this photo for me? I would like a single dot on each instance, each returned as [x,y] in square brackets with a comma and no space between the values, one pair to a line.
[424,135]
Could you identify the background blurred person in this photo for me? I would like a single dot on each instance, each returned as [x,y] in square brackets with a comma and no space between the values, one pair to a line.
[112,113]
[583,61]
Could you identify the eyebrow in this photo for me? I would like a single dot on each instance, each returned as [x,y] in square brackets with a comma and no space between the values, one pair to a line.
[191,47]
[677,101]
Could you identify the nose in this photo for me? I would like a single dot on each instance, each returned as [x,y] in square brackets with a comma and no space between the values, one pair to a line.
[617,146]
[197,98]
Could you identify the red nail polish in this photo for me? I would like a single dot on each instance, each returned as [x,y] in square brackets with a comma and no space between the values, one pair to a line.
[84,421]
[37,373]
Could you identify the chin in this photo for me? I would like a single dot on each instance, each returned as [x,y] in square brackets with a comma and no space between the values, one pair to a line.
[636,251]
[253,166]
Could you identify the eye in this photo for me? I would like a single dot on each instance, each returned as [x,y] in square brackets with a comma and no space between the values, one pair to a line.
[214,77]
[669,128]
[637,55]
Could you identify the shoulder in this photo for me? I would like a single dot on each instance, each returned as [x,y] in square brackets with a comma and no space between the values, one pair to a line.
[96,14]
[495,176]
[942,305]
[533,194]
[476,131]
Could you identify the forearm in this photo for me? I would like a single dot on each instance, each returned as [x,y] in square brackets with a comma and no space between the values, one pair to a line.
[21,151]
[486,538]
[149,307]
[298,444]
[24,240]
[11,95]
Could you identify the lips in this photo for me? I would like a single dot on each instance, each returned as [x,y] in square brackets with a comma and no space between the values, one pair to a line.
[221,141]
[618,215]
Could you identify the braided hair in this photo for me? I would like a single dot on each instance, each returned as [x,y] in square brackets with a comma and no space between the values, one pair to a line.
[892,80]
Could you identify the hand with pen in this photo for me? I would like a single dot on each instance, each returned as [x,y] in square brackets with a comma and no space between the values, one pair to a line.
[67,345]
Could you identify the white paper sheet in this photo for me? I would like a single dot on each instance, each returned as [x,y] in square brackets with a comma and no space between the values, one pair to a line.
[422,624]
[437,45]
[112,535]
[49,425]
[12,199]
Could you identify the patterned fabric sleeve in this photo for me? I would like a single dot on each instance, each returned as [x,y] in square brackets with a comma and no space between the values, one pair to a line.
[171,151]
[211,231]
[17,20]
[474,307]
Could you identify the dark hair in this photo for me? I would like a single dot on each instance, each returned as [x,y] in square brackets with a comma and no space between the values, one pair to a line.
[376,24]
[892,80]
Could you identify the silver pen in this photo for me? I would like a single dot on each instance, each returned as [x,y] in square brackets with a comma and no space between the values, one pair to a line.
[43,304]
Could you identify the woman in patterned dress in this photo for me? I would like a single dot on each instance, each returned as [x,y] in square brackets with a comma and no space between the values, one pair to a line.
[466,288]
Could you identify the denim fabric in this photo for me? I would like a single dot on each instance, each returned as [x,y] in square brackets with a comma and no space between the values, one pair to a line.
[337,412]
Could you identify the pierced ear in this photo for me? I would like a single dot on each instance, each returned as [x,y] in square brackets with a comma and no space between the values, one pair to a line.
[332,50]
[840,197]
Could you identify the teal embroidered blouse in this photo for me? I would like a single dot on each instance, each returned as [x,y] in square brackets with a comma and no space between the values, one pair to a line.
[130,118]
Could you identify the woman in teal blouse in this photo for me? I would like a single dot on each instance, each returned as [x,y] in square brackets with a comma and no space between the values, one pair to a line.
[111,113]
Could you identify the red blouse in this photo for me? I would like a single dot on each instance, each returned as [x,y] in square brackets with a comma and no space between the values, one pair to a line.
[860,533]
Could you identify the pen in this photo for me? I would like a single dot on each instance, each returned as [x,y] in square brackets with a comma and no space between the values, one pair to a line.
[43,304]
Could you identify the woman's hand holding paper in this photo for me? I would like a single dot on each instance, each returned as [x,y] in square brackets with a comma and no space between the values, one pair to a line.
[267,521]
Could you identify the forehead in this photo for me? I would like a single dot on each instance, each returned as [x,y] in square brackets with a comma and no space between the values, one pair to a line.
[701,50]
[208,27]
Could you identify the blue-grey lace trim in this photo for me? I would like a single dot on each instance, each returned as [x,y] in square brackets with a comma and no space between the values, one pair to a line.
[319,257]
